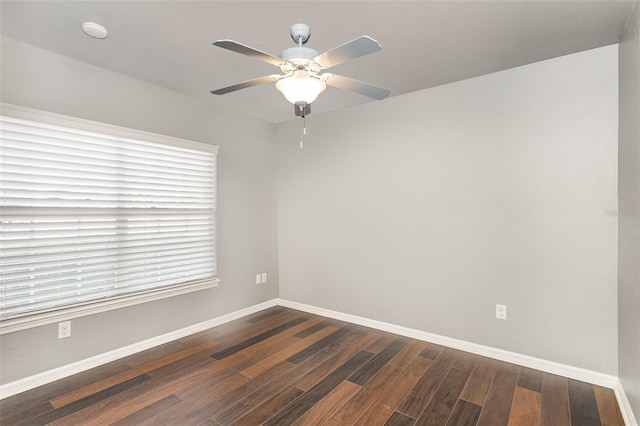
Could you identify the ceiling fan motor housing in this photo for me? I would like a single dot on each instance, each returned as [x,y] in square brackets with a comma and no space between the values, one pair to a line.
[298,52]
[299,56]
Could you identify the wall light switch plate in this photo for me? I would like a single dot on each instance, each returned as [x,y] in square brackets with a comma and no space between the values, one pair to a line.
[258,279]
[264,277]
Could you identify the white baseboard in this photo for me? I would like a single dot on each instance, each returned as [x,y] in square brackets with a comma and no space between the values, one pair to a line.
[45,377]
[625,406]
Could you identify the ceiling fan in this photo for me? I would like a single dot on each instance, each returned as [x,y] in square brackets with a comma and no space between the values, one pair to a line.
[301,82]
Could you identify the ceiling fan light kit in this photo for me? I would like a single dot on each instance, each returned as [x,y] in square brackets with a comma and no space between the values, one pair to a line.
[301,89]
[301,82]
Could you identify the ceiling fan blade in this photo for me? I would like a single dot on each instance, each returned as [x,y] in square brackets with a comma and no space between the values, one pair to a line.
[360,87]
[353,49]
[234,46]
[248,83]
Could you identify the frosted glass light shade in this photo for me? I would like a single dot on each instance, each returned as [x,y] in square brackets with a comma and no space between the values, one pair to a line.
[300,89]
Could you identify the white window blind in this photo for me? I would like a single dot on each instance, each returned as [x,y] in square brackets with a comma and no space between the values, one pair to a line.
[88,217]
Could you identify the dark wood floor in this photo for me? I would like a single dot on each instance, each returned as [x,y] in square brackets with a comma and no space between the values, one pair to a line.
[281,367]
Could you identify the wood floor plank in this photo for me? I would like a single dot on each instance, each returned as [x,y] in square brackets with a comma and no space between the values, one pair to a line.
[25,415]
[197,407]
[119,406]
[253,340]
[399,419]
[371,368]
[213,374]
[319,345]
[268,408]
[406,355]
[366,396]
[173,377]
[263,316]
[329,404]
[431,351]
[85,391]
[209,422]
[530,379]
[419,397]
[176,356]
[525,409]
[264,364]
[232,396]
[468,361]
[464,414]
[183,366]
[271,389]
[380,411]
[16,404]
[136,398]
[213,333]
[346,347]
[375,415]
[582,400]
[441,405]
[381,341]
[610,414]
[479,381]
[555,401]
[356,334]
[316,327]
[240,329]
[303,403]
[497,406]
[87,401]
[243,330]
[148,411]
[154,353]
[275,343]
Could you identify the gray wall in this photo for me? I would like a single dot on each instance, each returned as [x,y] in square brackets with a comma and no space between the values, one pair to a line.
[629,211]
[247,237]
[427,209]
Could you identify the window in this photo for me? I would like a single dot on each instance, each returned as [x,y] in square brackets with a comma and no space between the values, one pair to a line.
[96,217]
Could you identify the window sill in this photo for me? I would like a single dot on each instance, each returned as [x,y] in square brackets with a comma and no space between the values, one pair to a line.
[12,325]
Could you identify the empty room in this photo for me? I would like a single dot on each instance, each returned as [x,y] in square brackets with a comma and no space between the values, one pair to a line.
[320,212]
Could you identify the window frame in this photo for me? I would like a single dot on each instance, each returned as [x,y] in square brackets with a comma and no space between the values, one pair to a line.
[26,321]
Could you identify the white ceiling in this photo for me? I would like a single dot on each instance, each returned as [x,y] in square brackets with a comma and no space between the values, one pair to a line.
[425,43]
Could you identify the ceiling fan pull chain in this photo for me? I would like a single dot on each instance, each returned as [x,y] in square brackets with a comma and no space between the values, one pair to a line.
[303,130]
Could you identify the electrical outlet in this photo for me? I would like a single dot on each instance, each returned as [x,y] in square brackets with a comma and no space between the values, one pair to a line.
[258,279]
[64,329]
[264,277]
[501,312]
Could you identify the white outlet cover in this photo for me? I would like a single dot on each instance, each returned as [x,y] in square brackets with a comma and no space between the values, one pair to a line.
[64,329]
[264,277]
[258,278]
[501,312]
